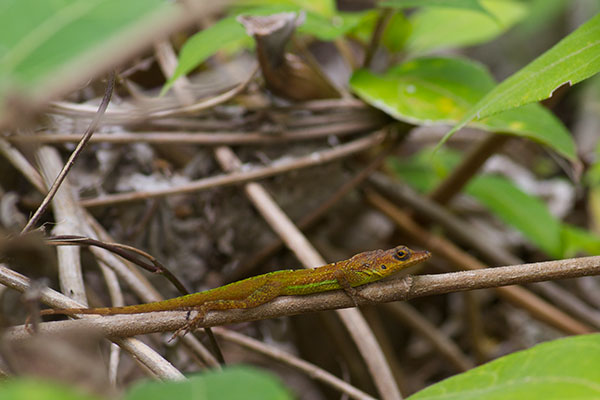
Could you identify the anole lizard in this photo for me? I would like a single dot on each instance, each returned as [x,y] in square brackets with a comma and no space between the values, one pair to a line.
[361,269]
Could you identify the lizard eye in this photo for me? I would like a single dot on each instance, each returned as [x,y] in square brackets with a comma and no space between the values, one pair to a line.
[402,254]
[383,266]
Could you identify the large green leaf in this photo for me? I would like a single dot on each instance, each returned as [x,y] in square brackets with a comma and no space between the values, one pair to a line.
[567,368]
[329,28]
[542,13]
[441,90]
[573,59]
[396,32]
[40,37]
[324,8]
[526,213]
[204,44]
[421,170]
[576,241]
[37,389]
[440,28]
[474,5]
[45,42]
[239,382]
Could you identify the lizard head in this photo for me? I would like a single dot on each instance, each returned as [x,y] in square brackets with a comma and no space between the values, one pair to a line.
[382,263]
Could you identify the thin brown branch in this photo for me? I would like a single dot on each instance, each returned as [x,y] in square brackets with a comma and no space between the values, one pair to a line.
[409,316]
[341,128]
[475,332]
[116,297]
[67,215]
[74,155]
[382,22]
[123,116]
[469,166]
[133,115]
[316,68]
[203,105]
[326,104]
[277,167]
[17,159]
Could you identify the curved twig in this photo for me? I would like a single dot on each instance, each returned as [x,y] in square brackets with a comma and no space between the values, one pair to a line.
[71,161]
[122,250]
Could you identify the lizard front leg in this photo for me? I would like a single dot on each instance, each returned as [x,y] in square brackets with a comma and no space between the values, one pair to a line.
[352,292]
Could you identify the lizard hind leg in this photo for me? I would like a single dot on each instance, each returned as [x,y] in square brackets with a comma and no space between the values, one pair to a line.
[190,324]
[263,294]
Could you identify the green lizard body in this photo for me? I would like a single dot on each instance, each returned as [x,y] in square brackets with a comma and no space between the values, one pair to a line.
[361,269]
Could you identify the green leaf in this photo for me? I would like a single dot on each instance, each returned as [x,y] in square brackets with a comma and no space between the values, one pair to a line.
[423,172]
[41,39]
[238,382]
[363,28]
[437,90]
[536,123]
[573,59]
[396,32]
[329,28]
[526,213]
[323,27]
[566,368]
[34,389]
[324,8]
[204,44]
[542,13]
[576,240]
[474,5]
[442,28]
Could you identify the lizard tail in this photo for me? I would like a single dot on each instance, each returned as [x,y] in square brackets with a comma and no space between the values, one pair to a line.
[98,311]
[178,303]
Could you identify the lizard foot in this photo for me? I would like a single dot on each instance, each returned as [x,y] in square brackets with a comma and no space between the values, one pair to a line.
[189,326]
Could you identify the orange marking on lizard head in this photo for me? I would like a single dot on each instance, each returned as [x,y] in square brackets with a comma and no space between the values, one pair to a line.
[383,263]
